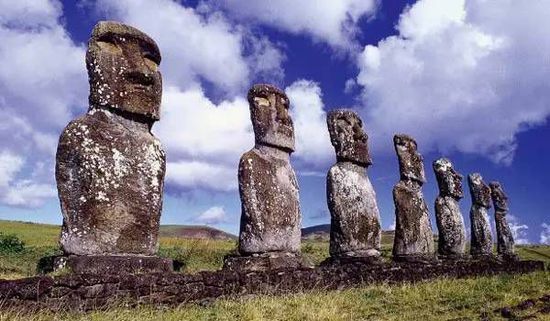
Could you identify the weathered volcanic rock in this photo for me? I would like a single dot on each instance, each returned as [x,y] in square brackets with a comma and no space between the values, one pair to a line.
[110,168]
[452,233]
[413,231]
[348,138]
[355,219]
[481,241]
[505,239]
[270,218]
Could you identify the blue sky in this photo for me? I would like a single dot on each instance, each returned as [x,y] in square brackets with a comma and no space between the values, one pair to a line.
[469,79]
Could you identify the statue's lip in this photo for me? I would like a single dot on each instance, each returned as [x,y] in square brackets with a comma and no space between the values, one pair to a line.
[140,87]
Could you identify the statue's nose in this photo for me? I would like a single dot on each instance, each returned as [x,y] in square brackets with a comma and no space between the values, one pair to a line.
[140,77]
[138,72]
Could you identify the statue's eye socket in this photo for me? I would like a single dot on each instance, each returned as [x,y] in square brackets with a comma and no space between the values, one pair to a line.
[108,43]
[150,61]
[261,101]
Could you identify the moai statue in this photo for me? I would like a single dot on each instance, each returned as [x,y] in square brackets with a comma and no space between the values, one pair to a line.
[355,221]
[413,231]
[270,229]
[110,168]
[450,224]
[481,241]
[505,239]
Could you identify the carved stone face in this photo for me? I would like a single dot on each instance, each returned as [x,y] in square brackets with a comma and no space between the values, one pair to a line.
[500,200]
[481,193]
[348,137]
[122,65]
[411,164]
[449,180]
[270,118]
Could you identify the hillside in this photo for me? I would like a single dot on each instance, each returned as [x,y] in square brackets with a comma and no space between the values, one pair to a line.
[322,233]
[195,232]
[36,233]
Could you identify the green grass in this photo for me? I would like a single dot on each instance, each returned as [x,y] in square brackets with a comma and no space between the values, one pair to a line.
[442,299]
[42,240]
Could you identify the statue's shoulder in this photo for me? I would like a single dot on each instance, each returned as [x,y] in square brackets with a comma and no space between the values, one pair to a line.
[335,169]
[76,129]
[251,157]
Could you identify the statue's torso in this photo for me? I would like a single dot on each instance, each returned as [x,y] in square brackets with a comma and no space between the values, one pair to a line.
[452,234]
[110,175]
[413,232]
[271,218]
[481,238]
[355,218]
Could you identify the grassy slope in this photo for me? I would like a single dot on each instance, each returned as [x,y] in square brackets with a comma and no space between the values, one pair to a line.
[436,300]
[41,240]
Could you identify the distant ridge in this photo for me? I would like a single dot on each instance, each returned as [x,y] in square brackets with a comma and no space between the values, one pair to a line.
[195,232]
[322,233]
[179,231]
[316,232]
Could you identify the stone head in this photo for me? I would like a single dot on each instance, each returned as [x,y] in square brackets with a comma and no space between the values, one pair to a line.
[500,200]
[122,65]
[480,192]
[270,117]
[348,137]
[411,166]
[448,179]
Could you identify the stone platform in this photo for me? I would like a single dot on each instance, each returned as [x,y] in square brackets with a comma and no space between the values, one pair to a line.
[93,291]
[110,265]
[266,262]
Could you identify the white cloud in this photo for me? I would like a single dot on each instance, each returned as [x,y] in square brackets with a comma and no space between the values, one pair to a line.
[313,146]
[29,13]
[518,230]
[20,192]
[213,215]
[25,193]
[545,234]
[187,175]
[461,75]
[192,126]
[10,164]
[198,45]
[42,83]
[333,22]
[206,140]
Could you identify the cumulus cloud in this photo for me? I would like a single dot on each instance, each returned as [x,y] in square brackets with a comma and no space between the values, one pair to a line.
[185,174]
[205,140]
[545,234]
[213,215]
[313,148]
[460,75]
[193,126]
[42,83]
[519,231]
[203,45]
[332,22]
[20,192]
[10,164]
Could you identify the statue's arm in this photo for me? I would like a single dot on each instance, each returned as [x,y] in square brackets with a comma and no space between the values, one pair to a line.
[68,165]
[247,186]
[334,190]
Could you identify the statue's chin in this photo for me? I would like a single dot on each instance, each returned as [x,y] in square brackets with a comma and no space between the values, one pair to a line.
[279,140]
